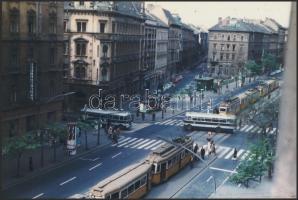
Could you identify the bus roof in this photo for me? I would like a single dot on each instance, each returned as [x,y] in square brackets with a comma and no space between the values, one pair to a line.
[208,115]
[121,179]
[106,112]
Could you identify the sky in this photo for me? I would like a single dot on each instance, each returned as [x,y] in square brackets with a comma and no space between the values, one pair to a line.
[206,13]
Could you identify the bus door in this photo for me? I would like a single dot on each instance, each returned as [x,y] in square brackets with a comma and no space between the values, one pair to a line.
[163,170]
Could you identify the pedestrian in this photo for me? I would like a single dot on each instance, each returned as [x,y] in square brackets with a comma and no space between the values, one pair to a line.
[203,153]
[195,148]
[110,131]
[30,163]
[235,154]
[213,150]
[191,161]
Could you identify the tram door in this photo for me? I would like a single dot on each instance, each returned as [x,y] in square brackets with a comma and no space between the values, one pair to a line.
[163,169]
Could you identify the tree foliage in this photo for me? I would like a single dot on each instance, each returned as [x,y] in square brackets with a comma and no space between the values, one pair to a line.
[269,62]
[259,160]
[253,67]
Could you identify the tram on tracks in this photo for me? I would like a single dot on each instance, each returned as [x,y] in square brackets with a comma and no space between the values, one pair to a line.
[135,181]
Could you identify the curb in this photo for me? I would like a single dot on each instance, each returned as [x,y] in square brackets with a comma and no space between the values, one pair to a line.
[48,169]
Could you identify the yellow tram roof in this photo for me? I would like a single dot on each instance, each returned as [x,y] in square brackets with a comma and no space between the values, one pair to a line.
[166,151]
[121,179]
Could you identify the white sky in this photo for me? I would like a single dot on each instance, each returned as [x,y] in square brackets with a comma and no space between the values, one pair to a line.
[207,13]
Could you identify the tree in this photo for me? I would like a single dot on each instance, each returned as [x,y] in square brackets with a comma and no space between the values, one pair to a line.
[57,132]
[253,67]
[269,62]
[17,145]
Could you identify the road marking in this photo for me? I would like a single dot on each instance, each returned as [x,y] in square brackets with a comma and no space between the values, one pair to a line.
[99,164]
[165,121]
[146,144]
[244,155]
[68,181]
[116,155]
[249,128]
[224,152]
[260,130]
[157,122]
[128,141]
[240,152]
[158,146]
[229,155]
[140,143]
[95,159]
[209,179]
[152,145]
[133,142]
[224,170]
[273,130]
[169,122]
[121,141]
[254,130]
[38,195]
[244,127]
[239,185]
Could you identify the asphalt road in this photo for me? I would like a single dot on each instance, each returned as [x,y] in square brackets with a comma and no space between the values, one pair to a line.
[81,174]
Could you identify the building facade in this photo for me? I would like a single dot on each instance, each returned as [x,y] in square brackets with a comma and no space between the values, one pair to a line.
[234,41]
[104,47]
[31,65]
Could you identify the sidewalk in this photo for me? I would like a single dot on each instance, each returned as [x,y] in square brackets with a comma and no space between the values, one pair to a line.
[9,165]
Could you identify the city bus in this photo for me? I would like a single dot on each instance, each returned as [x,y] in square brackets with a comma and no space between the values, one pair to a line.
[210,122]
[123,119]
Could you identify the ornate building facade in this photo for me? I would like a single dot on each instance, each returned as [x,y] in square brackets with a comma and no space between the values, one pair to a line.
[31,65]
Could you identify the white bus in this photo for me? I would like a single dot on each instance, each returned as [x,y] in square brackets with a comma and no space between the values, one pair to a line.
[114,117]
[210,122]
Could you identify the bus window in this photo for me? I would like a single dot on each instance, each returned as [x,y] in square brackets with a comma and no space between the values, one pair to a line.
[137,184]
[115,195]
[131,188]
[143,180]
[124,193]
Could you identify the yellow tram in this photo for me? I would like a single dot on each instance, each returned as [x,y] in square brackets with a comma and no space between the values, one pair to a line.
[169,159]
[132,182]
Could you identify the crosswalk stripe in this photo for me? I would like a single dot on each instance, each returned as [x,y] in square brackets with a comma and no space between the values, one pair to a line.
[244,127]
[252,126]
[260,130]
[240,152]
[224,152]
[157,122]
[128,141]
[138,144]
[273,130]
[245,155]
[229,154]
[130,144]
[172,123]
[180,124]
[121,141]
[165,121]
[158,146]
[152,145]
[169,122]
[254,130]
[247,128]
[146,144]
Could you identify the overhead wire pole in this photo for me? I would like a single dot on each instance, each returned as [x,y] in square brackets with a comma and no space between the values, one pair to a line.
[193,153]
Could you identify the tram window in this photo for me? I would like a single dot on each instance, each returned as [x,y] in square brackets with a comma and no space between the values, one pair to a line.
[169,163]
[131,188]
[143,180]
[121,118]
[207,120]
[137,184]
[115,195]
[153,168]
[194,118]
[124,193]
[158,168]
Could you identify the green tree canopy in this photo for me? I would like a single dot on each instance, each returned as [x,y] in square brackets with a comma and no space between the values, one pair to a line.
[253,67]
[269,62]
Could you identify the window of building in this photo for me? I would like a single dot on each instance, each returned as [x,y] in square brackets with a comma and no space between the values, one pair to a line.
[213,56]
[228,46]
[214,46]
[234,46]
[113,27]
[31,21]
[102,27]
[233,56]
[52,22]
[32,81]
[81,48]
[13,94]
[241,38]
[228,38]
[222,47]
[14,21]
[65,26]
[14,57]
[80,71]
[52,56]
[215,37]
[234,38]
[227,56]
[81,26]
[65,48]
[221,56]
[222,36]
